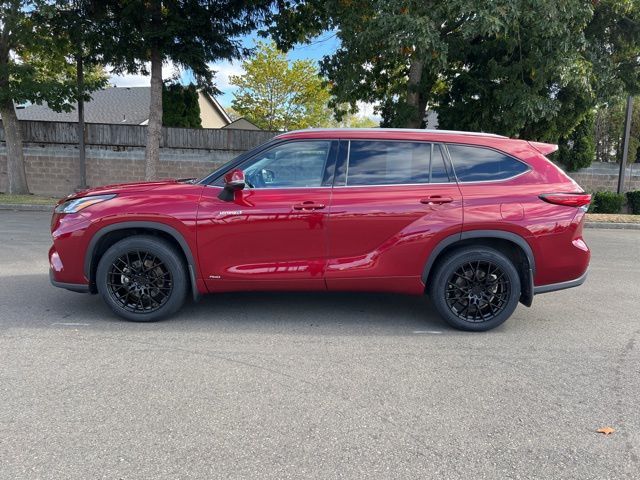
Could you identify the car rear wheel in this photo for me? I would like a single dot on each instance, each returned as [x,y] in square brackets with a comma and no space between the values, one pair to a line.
[142,278]
[475,288]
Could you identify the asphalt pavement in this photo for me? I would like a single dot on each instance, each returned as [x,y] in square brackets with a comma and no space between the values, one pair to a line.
[280,385]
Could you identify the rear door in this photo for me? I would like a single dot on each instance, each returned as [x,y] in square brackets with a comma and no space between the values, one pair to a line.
[393,201]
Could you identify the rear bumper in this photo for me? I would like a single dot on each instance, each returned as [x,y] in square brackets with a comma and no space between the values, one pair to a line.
[554,287]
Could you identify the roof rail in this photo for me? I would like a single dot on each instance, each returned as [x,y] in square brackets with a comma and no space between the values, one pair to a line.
[412,130]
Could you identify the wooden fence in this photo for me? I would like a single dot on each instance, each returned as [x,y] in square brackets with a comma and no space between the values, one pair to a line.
[136,135]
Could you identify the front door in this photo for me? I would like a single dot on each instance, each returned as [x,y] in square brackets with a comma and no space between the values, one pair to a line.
[393,201]
[272,234]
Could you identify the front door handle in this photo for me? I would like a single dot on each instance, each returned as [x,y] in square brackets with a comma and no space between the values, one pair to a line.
[308,205]
[436,200]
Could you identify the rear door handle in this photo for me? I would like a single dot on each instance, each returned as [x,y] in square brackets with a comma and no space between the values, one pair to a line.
[436,200]
[309,205]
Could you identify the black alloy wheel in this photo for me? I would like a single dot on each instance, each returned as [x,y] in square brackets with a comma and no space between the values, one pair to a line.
[475,288]
[478,291]
[139,281]
[143,278]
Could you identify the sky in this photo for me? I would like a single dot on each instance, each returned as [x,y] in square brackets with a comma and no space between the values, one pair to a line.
[324,44]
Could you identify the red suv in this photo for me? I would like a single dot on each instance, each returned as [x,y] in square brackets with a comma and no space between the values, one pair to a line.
[479,222]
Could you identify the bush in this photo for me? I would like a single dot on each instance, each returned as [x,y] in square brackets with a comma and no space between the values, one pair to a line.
[633,199]
[607,202]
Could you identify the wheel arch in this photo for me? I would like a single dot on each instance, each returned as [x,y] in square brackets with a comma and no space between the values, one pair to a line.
[110,234]
[515,246]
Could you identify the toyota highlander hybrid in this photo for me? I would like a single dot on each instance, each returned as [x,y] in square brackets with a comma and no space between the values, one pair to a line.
[478,222]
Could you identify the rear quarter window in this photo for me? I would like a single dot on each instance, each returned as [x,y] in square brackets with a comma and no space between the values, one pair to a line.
[478,164]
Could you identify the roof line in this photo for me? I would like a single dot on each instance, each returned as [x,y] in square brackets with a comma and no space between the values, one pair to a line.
[408,130]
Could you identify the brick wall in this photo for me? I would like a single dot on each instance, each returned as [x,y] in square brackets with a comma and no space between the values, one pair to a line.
[604,177]
[115,154]
[53,169]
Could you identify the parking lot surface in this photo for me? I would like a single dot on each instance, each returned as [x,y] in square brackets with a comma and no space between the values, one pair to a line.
[277,385]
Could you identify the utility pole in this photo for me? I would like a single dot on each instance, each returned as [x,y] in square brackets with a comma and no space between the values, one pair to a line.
[625,144]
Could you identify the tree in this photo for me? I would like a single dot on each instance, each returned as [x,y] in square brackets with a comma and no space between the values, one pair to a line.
[609,125]
[531,68]
[390,52]
[276,94]
[609,128]
[353,120]
[578,149]
[76,24]
[144,34]
[34,68]
[180,106]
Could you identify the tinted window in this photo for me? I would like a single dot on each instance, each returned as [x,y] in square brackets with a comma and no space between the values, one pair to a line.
[475,164]
[438,169]
[388,163]
[292,165]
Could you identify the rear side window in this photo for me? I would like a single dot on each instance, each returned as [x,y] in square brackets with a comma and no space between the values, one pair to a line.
[396,163]
[388,163]
[477,164]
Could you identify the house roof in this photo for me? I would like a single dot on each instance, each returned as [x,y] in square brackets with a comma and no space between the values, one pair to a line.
[122,105]
[125,105]
[242,124]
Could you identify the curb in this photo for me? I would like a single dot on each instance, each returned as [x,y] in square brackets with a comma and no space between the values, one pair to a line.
[18,207]
[613,226]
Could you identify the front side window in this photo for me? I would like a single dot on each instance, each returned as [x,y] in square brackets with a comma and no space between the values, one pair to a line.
[477,164]
[289,165]
[387,163]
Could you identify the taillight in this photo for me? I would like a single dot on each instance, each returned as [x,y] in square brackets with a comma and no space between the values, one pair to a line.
[567,199]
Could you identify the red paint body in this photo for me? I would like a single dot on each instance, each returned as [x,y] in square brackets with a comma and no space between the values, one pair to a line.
[373,238]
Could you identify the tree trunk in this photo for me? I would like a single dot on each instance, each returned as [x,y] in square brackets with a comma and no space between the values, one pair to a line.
[15,157]
[81,146]
[154,128]
[415,98]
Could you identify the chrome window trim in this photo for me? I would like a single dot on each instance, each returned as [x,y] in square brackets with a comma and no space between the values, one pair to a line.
[272,189]
[395,185]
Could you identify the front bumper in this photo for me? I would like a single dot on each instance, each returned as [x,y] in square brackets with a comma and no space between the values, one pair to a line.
[74,287]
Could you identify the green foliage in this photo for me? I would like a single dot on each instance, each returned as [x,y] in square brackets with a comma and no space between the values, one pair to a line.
[190,33]
[609,126]
[529,68]
[607,202]
[633,200]
[180,106]
[634,140]
[41,67]
[578,150]
[609,130]
[276,94]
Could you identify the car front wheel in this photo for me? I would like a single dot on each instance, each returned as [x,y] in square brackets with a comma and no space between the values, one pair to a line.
[475,288]
[142,278]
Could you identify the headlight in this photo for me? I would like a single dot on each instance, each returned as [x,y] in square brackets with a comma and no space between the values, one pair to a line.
[77,204]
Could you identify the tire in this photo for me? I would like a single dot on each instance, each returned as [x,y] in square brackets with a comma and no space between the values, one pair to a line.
[475,288]
[142,278]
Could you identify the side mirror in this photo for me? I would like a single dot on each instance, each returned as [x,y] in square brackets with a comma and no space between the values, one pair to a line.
[234,180]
